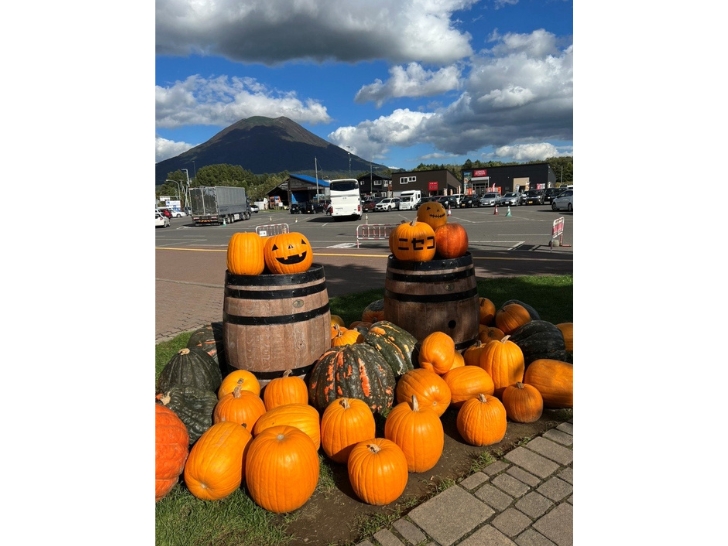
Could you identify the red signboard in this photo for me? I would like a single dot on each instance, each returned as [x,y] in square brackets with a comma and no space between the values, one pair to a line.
[432,186]
[480,172]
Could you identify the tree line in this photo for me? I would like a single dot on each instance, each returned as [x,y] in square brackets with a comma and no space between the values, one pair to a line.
[257,186]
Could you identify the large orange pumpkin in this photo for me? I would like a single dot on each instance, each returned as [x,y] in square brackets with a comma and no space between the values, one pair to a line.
[451,240]
[246,379]
[467,382]
[344,423]
[289,389]
[523,403]
[504,362]
[437,352]
[171,450]
[432,213]
[240,407]
[511,316]
[301,416]
[554,379]
[377,471]
[430,389]
[482,421]
[245,254]
[281,469]
[215,466]
[288,253]
[418,432]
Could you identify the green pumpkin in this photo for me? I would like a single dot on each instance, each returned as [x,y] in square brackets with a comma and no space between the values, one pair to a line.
[540,339]
[352,371]
[190,368]
[399,336]
[209,338]
[193,406]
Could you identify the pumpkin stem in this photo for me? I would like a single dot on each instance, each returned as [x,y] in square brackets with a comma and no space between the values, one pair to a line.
[505,338]
[287,373]
[345,403]
[415,405]
[164,398]
[519,385]
[374,448]
[413,222]
[481,397]
[184,351]
[238,388]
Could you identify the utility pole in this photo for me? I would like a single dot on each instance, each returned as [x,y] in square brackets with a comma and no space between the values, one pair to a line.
[315,167]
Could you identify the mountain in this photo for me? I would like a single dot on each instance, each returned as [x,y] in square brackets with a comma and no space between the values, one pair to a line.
[267,146]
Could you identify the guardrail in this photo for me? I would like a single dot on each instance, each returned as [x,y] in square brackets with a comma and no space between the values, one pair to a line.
[373,232]
[267,230]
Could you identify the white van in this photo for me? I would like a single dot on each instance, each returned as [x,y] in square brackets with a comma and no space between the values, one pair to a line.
[408,200]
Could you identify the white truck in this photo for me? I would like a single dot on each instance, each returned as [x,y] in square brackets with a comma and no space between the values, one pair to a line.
[408,200]
[218,205]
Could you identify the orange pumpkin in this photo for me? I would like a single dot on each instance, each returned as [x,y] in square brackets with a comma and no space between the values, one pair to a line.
[289,389]
[288,253]
[430,389]
[523,403]
[281,469]
[240,407]
[413,242]
[567,330]
[489,333]
[377,471]
[301,416]
[451,240]
[486,311]
[246,380]
[373,312]
[171,449]
[418,432]
[346,337]
[344,423]
[437,352]
[432,213]
[554,379]
[482,421]
[216,464]
[458,361]
[504,362]
[245,254]
[511,316]
[467,382]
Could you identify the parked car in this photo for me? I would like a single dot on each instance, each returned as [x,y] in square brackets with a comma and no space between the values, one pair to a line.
[550,193]
[512,198]
[368,205]
[178,213]
[254,208]
[565,201]
[489,199]
[470,201]
[450,201]
[428,199]
[295,208]
[309,207]
[386,204]
[534,197]
[160,220]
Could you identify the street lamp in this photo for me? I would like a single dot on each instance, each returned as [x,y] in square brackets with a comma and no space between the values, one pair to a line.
[187,195]
[179,187]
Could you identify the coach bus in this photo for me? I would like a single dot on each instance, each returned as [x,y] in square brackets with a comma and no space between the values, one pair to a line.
[345,198]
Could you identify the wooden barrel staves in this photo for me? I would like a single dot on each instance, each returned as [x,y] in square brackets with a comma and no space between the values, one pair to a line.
[439,295]
[274,323]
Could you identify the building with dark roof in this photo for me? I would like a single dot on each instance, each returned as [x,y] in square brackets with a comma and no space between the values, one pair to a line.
[507,178]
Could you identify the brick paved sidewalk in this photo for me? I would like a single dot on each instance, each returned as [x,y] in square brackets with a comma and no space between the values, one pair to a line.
[523,499]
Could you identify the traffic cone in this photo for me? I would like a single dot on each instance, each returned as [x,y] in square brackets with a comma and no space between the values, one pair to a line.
[495,209]
[509,211]
[449,212]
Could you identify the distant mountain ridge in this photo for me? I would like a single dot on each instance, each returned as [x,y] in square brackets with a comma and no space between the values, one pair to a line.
[266,146]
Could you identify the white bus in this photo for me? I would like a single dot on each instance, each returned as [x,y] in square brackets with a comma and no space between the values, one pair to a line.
[408,200]
[345,198]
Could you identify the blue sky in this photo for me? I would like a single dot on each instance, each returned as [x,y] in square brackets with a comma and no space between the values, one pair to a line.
[398,83]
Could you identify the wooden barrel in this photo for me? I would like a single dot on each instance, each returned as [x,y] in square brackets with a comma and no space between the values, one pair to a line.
[274,323]
[439,295]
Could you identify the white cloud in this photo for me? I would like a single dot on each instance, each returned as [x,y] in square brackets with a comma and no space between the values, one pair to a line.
[341,30]
[410,81]
[528,152]
[223,101]
[164,149]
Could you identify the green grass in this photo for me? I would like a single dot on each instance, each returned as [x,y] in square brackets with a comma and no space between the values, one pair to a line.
[181,519]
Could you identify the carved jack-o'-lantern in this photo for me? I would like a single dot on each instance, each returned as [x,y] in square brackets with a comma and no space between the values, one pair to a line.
[288,253]
[413,242]
[432,213]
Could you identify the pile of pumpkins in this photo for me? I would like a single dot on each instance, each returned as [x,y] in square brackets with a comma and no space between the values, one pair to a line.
[220,432]
[429,236]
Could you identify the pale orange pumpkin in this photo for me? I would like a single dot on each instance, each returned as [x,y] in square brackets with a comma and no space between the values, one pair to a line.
[504,362]
[467,382]
[554,379]
[246,379]
[302,416]
[437,352]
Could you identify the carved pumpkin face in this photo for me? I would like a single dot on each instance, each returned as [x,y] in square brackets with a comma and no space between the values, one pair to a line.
[432,213]
[413,242]
[288,253]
